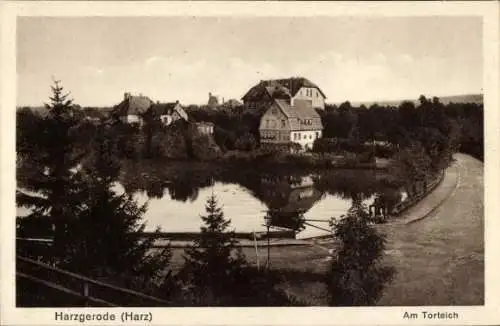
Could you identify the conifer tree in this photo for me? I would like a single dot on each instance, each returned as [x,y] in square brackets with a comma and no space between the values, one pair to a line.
[356,276]
[216,272]
[213,261]
[53,170]
[106,236]
[96,231]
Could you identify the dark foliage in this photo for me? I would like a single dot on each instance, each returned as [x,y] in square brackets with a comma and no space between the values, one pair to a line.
[216,273]
[357,276]
[94,231]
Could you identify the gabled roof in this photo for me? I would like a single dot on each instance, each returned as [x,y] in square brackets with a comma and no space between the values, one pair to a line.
[280,88]
[160,109]
[297,114]
[134,105]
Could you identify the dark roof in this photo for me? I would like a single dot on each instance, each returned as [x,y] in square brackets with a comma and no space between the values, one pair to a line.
[159,109]
[134,105]
[280,88]
[302,110]
[163,108]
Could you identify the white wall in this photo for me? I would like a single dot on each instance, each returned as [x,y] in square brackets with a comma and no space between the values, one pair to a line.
[318,101]
[305,138]
[131,118]
[166,119]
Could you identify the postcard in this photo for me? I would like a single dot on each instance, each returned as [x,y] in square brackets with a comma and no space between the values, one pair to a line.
[250,163]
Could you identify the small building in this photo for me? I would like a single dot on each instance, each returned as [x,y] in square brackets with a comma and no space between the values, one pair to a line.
[205,128]
[133,108]
[169,112]
[289,89]
[213,101]
[282,123]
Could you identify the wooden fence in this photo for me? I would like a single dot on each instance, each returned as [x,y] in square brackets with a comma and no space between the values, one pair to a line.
[42,285]
[411,201]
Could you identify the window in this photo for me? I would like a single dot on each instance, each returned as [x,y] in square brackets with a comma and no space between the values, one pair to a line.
[283,123]
[298,136]
[274,111]
[317,134]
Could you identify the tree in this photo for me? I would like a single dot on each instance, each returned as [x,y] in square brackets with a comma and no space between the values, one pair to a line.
[212,263]
[106,238]
[411,165]
[96,232]
[204,148]
[53,170]
[216,272]
[245,142]
[356,276]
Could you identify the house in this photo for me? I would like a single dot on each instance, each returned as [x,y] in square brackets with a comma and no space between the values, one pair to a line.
[285,124]
[133,108]
[169,112]
[206,128]
[289,89]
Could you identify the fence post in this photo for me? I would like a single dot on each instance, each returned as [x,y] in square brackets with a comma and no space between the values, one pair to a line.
[85,293]
[256,250]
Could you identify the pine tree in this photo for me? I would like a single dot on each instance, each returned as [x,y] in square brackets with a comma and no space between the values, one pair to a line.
[97,232]
[52,173]
[356,276]
[214,260]
[106,238]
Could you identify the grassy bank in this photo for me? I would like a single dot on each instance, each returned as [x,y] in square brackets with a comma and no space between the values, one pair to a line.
[347,160]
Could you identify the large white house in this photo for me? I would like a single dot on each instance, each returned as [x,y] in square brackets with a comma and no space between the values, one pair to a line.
[283,123]
[289,89]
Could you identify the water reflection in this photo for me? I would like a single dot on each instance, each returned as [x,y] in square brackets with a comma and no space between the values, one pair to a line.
[254,199]
[154,179]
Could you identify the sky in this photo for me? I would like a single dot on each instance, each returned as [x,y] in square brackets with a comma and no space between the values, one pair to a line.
[184,58]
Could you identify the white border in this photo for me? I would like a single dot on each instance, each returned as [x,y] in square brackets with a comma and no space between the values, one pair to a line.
[490,11]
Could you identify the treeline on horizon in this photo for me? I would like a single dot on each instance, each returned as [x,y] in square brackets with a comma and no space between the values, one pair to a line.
[349,124]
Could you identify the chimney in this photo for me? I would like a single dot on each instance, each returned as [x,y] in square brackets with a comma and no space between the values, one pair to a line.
[177,102]
[126,95]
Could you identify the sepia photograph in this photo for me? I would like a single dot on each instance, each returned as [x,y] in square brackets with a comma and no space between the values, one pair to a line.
[249,161]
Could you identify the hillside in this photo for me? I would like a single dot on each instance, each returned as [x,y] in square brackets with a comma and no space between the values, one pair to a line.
[466,98]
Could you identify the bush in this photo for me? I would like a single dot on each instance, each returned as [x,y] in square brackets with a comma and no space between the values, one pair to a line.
[245,142]
[205,148]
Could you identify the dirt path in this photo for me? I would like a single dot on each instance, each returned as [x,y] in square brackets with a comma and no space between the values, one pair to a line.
[439,260]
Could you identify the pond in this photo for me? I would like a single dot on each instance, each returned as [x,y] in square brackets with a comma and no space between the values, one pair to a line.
[253,198]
